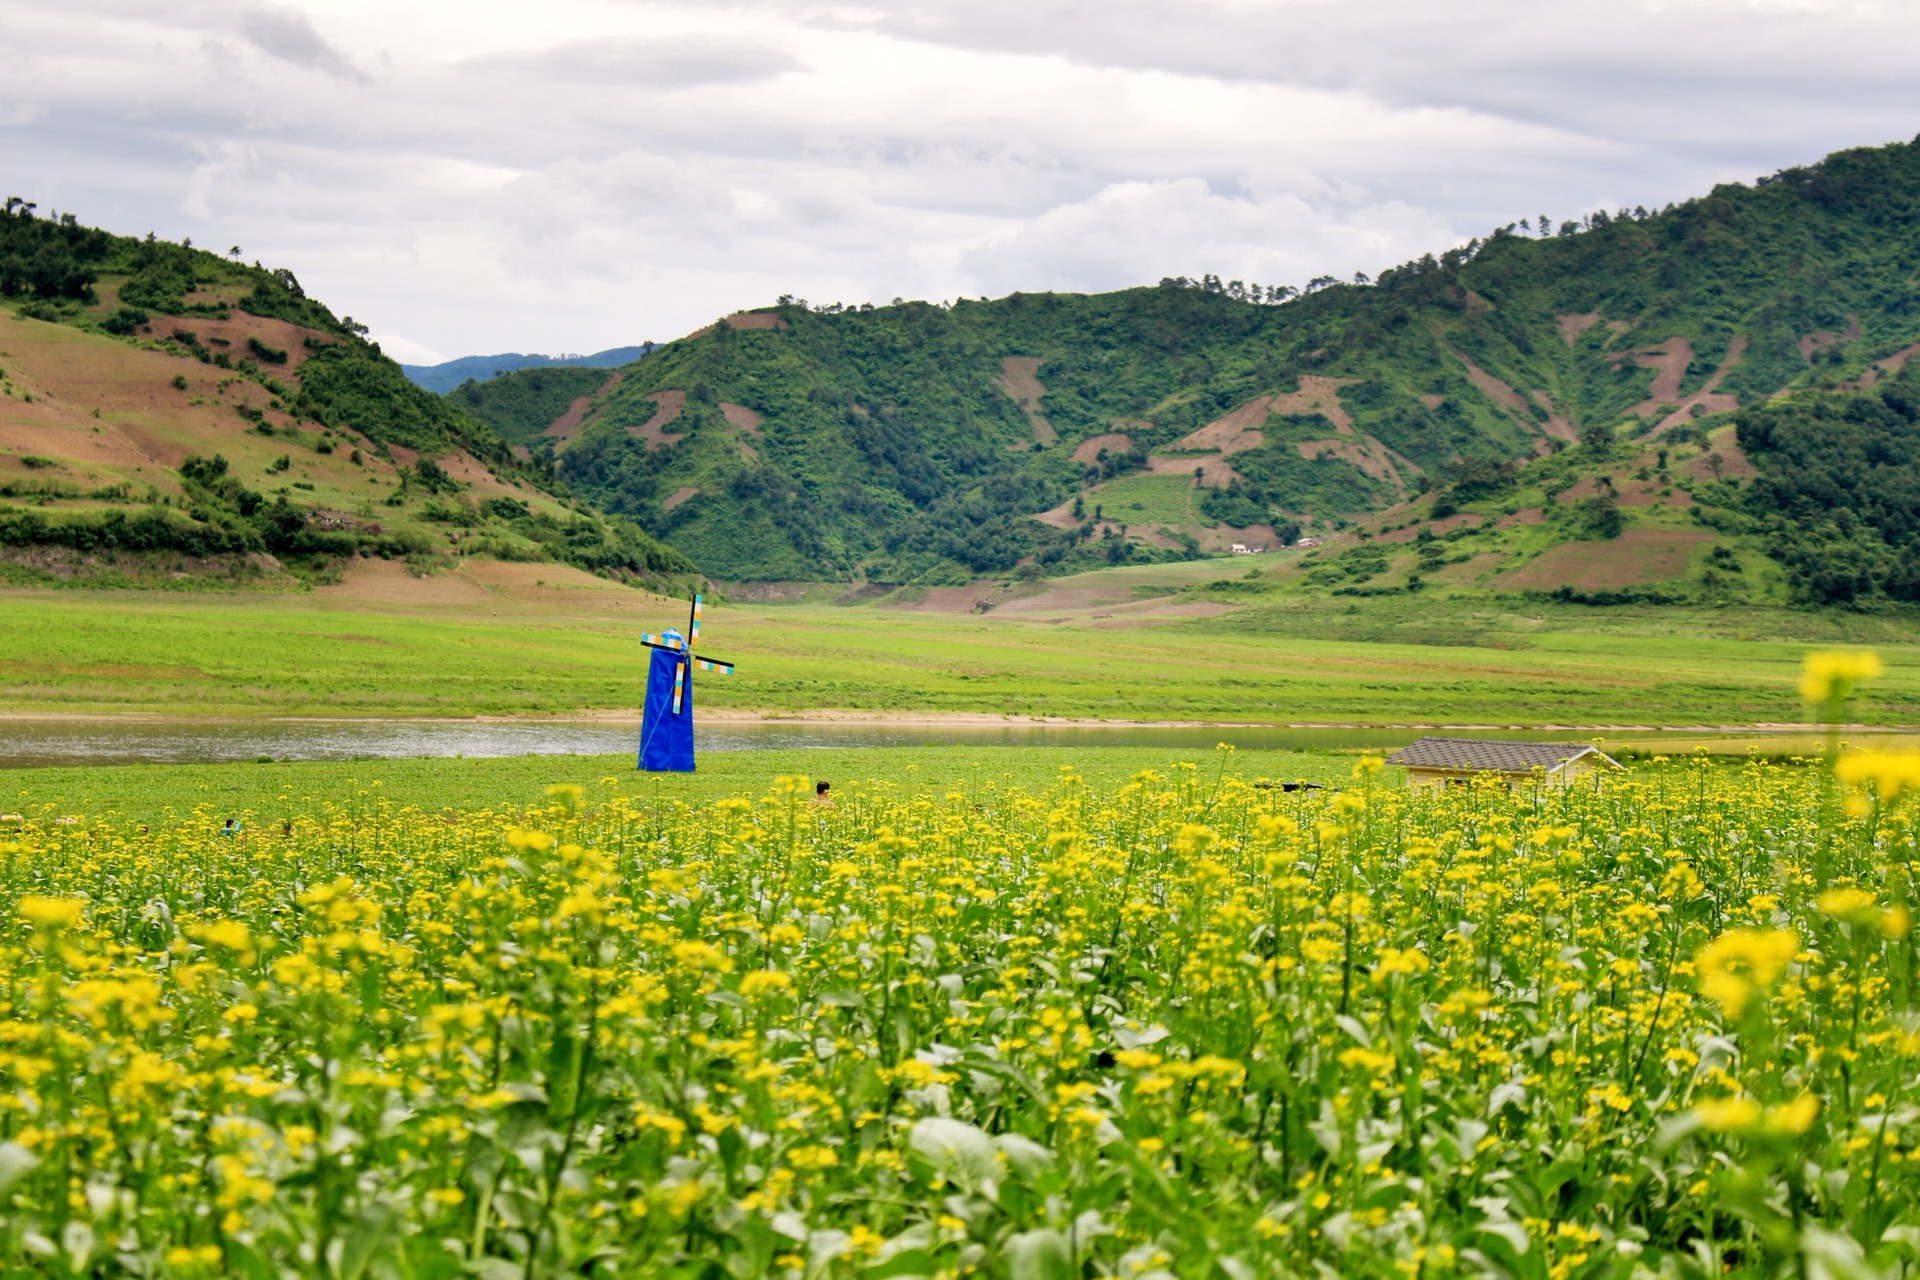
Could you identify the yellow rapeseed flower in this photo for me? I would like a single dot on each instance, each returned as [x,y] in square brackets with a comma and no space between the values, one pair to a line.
[1727,1115]
[1741,1114]
[1829,676]
[1890,773]
[765,982]
[1855,906]
[1743,963]
[1392,961]
[51,913]
[228,935]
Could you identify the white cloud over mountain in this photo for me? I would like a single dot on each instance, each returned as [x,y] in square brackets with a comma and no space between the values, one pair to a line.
[588,173]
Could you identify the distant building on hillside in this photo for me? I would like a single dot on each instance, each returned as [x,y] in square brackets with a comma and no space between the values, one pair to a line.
[1242,549]
[1439,762]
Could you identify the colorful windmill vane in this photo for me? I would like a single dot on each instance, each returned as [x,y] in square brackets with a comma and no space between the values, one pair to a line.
[666,721]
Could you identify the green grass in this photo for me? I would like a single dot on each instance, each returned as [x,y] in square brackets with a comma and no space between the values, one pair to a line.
[1146,502]
[267,792]
[1389,661]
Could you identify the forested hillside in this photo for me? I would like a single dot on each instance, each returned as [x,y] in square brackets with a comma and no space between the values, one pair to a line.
[918,443]
[166,413]
[1838,494]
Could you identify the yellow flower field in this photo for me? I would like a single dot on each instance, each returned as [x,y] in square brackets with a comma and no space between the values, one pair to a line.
[1186,1027]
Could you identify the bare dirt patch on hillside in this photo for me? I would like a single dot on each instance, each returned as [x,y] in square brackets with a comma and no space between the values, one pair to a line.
[653,430]
[388,582]
[484,584]
[1366,453]
[755,320]
[231,337]
[684,493]
[1558,424]
[1213,470]
[1888,367]
[1234,431]
[111,409]
[1734,463]
[550,584]
[1447,524]
[1087,452]
[945,599]
[1433,400]
[742,418]
[1061,517]
[1669,363]
[1573,324]
[1223,537]
[1635,558]
[469,470]
[80,454]
[1821,339]
[1020,379]
[565,427]
[1317,395]
[1524,516]
[1493,388]
[1709,398]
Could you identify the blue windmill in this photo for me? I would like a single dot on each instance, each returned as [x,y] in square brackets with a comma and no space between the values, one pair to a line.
[666,721]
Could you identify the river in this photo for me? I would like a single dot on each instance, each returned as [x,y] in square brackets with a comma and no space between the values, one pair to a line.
[42,743]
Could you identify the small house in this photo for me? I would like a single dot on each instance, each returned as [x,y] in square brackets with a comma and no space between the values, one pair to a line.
[1439,762]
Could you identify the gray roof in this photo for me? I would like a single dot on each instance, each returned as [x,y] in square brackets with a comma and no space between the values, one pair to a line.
[1482,755]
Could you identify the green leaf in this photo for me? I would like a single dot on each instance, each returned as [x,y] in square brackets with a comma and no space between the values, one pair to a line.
[563,1076]
[16,1162]
[1025,1156]
[1039,1255]
[954,1149]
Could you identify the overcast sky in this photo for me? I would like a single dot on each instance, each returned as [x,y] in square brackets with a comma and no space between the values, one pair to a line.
[571,175]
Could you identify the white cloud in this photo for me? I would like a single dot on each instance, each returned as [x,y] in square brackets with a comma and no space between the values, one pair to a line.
[587,173]
[287,34]
[407,351]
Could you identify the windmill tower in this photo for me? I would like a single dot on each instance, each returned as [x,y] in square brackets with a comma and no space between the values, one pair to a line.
[666,720]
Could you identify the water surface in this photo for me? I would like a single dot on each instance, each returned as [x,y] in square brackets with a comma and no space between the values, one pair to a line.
[39,743]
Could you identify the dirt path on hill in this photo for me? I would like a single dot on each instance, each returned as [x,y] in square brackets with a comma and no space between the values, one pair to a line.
[565,427]
[1572,325]
[1020,379]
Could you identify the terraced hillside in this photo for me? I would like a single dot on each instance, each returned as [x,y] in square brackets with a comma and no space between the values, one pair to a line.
[936,445]
[169,415]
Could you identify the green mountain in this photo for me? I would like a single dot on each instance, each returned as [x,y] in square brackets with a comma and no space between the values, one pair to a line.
[448,374]
[169,414]
[920,444]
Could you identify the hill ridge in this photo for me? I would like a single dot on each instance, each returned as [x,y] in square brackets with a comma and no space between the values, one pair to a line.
[167,415]
[894,448]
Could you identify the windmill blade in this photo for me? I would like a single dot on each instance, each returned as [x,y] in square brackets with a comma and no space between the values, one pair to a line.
[679,682]
[660,642]
[693,624]
[724,668]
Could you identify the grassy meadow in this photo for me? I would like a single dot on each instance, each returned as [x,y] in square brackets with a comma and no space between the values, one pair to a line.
[543,650]
[265,794]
